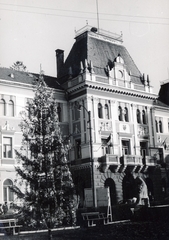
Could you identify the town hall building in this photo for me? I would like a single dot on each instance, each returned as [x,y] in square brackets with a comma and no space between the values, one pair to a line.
[118,128]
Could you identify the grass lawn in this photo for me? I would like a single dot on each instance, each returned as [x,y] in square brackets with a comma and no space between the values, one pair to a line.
[121,231]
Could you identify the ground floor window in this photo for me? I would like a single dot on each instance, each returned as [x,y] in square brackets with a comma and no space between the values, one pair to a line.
[7,192]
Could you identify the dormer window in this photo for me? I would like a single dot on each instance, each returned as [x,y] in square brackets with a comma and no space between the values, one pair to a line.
[119,59]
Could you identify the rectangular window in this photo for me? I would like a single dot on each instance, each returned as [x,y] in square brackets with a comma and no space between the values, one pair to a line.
[126,147]
[105,147]
[7,147]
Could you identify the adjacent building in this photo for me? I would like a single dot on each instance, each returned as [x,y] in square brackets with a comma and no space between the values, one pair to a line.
[118,128]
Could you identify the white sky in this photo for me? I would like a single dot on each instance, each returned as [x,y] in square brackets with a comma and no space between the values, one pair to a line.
[31,31]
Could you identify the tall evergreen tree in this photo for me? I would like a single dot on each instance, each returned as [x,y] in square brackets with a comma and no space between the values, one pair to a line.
[49,188]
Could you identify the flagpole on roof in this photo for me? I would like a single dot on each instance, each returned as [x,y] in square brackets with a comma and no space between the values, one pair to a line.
[97,15]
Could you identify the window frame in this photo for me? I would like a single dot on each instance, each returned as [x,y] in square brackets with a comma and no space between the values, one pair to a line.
[11,110]
[6,191]
[100,110]
[160,126]
[120,113]
[126,114]
[127,147]
[3,105]
[144,117]
[138,115]
[106,111]
[4,147]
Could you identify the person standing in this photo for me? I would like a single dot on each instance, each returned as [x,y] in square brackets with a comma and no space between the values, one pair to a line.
[5,208]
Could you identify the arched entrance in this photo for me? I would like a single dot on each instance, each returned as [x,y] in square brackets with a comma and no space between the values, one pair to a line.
[128,186]
[112,187]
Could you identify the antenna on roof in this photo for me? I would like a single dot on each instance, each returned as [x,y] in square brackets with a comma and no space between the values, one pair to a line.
[97,15]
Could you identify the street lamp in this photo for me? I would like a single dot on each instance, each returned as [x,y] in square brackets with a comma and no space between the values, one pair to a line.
[91,155]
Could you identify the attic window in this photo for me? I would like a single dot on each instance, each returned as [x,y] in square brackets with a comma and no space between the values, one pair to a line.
[119,59]
[12,75]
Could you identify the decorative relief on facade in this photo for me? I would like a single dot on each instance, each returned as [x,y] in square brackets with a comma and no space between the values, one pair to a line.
[7,127]
[125,128]
[142,131]
[105,126]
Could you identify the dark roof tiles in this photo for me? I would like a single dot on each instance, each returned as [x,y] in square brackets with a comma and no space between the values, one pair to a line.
[100,53]
[25,77]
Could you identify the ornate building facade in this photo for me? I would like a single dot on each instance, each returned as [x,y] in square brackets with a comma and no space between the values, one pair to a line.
[118,127]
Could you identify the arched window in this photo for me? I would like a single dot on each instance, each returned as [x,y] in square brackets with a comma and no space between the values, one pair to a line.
[11,108]
[126,115]
[106,108]
[144,117]
[156,123]
[160,126]
[100,111]
[120,113]
[138,116]
[8,193]
[2,107]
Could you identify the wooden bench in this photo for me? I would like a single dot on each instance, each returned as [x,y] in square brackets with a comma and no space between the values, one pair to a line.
[10,225]
[90,217]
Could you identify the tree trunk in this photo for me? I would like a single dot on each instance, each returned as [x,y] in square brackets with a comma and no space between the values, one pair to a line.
[49,234]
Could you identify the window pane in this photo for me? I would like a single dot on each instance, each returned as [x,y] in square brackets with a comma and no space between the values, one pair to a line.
[7,147]
[5,194]
[106,111]
[2,107]
[10,195]
[100,113]
[11,109]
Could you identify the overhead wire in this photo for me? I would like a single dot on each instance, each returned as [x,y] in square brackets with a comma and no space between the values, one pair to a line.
[84,17]
[64,10]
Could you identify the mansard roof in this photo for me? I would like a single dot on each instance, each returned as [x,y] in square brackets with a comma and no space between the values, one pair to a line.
[163,95]
[101,53]
[26,77]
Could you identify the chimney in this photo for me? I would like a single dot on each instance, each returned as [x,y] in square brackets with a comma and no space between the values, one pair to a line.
[59,60]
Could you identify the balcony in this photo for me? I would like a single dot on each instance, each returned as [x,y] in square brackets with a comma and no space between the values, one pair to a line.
[131,160]
[109,161]
[133,163]
[150,161]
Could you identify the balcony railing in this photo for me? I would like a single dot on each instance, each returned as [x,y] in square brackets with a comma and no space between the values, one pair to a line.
[149,161]
[131,160]
[110,159]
